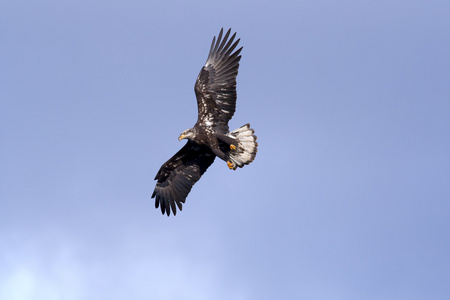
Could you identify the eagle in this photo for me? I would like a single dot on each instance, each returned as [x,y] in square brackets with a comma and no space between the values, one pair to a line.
[215,89]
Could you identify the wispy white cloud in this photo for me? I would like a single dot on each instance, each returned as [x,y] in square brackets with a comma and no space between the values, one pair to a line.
[54,266]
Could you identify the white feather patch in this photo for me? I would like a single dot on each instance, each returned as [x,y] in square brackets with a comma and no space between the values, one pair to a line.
[247,148]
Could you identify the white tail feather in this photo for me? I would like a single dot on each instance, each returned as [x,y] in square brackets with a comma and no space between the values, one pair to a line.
[246,149]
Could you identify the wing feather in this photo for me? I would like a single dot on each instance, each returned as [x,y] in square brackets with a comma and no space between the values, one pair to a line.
[178,175]
[215,87]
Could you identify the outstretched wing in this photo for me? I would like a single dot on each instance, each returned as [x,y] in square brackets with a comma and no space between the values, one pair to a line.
[177,176]
[215,87]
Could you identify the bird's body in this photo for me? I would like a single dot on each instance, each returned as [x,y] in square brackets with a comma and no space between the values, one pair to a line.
[215,89]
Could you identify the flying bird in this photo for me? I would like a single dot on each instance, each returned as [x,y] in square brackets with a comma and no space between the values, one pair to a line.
[215,89]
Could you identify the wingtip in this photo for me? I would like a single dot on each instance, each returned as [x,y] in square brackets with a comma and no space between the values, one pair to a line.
[165,210]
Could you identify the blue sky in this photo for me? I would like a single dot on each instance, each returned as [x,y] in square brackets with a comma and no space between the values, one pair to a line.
[348,197]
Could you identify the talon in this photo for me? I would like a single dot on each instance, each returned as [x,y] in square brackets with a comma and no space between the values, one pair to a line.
[232,147]
[230,165]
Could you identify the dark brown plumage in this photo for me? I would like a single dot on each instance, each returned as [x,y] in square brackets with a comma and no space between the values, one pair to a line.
[215,89]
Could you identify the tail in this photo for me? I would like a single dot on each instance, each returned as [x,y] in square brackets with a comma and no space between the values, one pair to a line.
[246,149]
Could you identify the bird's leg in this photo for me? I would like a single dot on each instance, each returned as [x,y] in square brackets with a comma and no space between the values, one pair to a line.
[228,140]
[223,156]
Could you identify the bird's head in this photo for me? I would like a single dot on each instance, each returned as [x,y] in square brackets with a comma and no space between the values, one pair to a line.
[187,134]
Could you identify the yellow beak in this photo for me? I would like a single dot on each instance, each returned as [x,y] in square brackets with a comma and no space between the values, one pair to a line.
[181,137]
